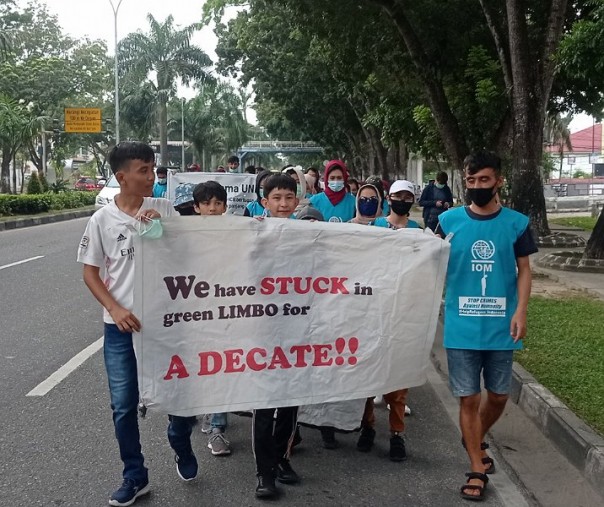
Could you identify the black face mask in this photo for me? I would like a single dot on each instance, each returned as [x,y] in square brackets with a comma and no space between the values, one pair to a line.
[480,196]
[401,208]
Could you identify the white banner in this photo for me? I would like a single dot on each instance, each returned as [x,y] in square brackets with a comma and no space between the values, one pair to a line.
[239,313]
[240,187]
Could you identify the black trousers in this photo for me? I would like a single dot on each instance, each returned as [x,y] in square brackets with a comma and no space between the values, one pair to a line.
[272,437]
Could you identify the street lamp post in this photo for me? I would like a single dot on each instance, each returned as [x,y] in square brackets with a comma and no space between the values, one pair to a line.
[182,131]
[116,8]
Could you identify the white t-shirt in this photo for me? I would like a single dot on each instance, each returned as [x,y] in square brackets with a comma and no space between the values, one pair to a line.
[108,242]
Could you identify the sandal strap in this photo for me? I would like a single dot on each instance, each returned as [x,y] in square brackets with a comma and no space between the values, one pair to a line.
[471,487]
[483,445]
[477,475]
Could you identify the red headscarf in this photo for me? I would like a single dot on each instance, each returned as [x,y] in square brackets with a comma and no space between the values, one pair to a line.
[335,197]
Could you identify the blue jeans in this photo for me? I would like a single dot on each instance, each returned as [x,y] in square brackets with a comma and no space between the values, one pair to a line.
[465,367]
[219,421]
[120,363]
[179,434]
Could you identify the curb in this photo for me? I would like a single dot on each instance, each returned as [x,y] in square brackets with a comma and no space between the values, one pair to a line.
[535,268]
[575,440]
[19,223]
[581,445]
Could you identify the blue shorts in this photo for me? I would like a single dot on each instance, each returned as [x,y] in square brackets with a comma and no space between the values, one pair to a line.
[466,365]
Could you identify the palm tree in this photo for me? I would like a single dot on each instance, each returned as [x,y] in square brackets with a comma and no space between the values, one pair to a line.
[17,128]
[215,123]
[556,133]
[161,57]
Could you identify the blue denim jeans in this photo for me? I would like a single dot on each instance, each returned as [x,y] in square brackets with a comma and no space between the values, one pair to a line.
[219,420]
[120,363]
[179,434]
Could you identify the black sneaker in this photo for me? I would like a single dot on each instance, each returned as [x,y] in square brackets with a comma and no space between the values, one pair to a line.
[397,448]
[129,491]
[329,438]
[286,474]
[186,466]
[366,439]
[266,486]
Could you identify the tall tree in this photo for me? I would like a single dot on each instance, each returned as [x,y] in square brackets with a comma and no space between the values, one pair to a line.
[161,57]
[17,128]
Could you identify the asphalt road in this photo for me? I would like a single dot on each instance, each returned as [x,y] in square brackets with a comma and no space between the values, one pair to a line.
[59,449]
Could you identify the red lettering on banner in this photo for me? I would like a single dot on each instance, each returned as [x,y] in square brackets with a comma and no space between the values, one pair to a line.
[320,357]
[238,360]
[319,285]
[251,360]
[279,359]
[300,351]
[204,363]
[177,368]
[233,361]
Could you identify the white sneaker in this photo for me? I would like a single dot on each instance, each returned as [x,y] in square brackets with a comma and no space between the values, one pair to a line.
[218,443]
[206,423]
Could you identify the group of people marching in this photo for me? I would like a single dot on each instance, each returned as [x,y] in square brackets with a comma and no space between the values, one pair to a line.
[480,341]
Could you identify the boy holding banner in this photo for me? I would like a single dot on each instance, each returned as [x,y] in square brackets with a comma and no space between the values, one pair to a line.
[272,436]
[108,242]
[210,199]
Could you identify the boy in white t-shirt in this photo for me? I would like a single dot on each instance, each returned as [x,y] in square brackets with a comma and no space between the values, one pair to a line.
[108,243]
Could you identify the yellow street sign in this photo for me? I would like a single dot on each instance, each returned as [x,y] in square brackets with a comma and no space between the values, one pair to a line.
[83,120]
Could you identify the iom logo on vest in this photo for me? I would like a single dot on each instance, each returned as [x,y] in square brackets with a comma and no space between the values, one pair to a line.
[483,305]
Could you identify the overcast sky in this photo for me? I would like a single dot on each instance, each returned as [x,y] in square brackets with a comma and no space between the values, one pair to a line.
[94,18]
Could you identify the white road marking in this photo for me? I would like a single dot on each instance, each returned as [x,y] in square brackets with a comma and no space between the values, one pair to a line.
[64,371]
[20,262]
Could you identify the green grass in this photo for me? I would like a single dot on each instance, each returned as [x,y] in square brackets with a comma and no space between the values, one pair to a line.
[564,350]
[587,223]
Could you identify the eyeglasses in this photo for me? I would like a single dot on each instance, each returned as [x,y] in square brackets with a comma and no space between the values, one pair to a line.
[368,199]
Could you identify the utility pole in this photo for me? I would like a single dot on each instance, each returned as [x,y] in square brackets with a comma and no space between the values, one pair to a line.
[182,125]
[116,8]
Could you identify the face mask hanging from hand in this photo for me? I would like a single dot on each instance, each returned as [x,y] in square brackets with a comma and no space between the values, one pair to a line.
[150,228]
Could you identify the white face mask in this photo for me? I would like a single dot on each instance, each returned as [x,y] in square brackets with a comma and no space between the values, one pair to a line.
[162,181]
[232,169]
[336,186]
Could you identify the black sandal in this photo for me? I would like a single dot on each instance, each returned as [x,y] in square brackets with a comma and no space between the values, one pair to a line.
[485,461]
[473,487]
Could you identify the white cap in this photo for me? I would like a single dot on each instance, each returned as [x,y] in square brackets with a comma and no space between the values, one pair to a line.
[401,185]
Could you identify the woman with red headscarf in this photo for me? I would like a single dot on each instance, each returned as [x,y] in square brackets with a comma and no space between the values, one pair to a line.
[335,203]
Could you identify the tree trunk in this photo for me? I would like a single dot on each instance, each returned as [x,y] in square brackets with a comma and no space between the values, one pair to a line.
[5,172]
[15,173]
[163,133]
[528,113]
[595,245]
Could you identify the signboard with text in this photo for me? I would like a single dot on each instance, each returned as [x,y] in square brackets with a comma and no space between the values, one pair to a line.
[83,120]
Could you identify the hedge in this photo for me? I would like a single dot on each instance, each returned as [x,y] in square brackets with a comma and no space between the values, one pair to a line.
[40,203]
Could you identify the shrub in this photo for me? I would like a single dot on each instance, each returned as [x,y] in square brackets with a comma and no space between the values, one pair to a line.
[34,186]
[43,182]
[40,203]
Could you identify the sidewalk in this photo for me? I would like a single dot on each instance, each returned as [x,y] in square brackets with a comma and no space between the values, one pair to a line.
[591,283]
[58,216]
[557,424]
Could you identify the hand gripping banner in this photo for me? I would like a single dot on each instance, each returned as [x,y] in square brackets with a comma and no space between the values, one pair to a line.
[239,313]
